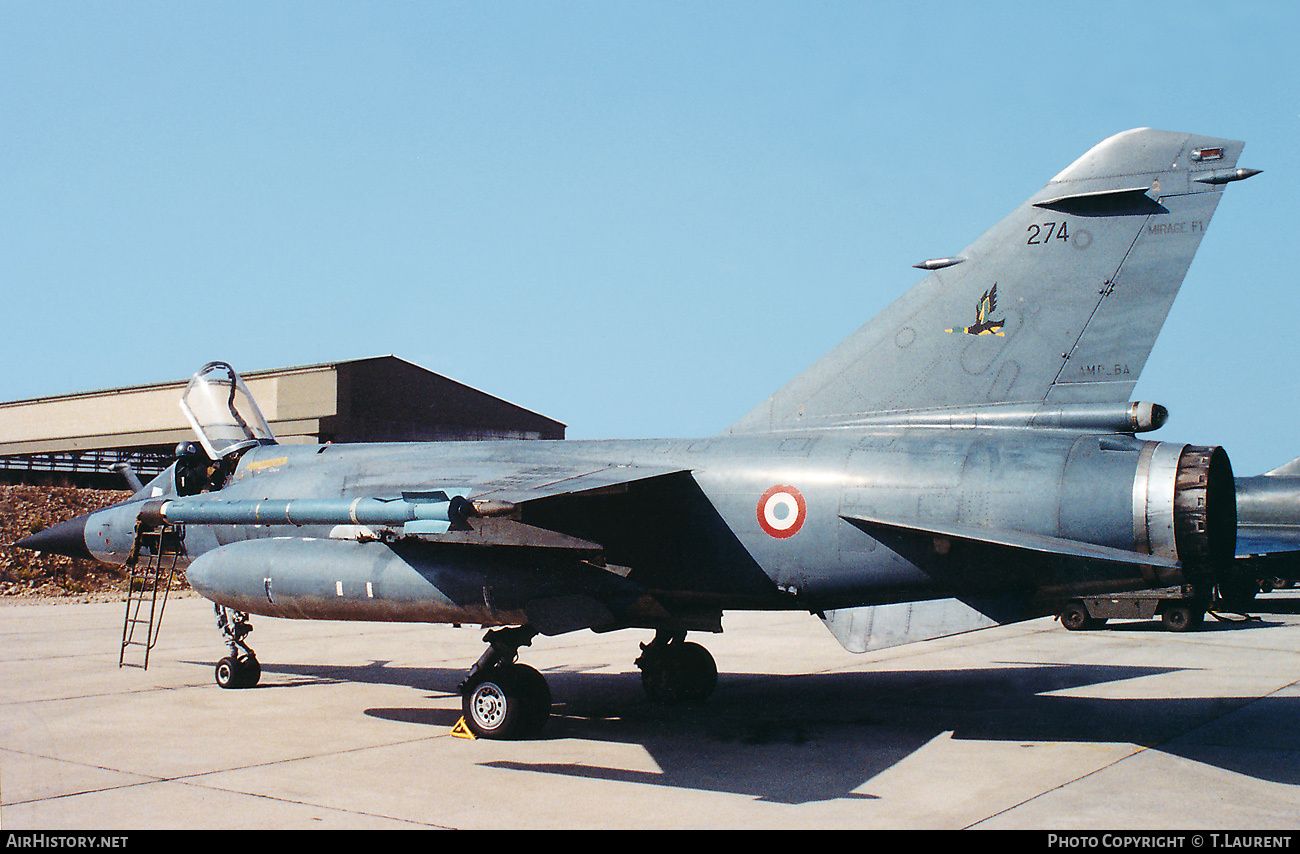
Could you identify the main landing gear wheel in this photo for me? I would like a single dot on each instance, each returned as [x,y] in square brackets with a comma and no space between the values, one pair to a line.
[501,698]
[506,701]
[676,671]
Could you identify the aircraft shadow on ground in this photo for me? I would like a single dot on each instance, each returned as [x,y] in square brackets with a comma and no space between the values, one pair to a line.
[828,734]
[806,738]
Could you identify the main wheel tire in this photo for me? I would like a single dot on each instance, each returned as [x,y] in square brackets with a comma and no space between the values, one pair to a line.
[679,673]
[505,702]
[699,673]
[539,700]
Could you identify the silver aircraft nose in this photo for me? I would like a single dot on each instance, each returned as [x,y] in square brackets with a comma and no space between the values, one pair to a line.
[65,538]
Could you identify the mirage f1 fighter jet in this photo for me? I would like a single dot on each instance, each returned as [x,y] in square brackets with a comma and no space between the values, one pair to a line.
[923,478]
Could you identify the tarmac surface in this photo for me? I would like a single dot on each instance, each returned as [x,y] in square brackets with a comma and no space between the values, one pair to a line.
[1024,726]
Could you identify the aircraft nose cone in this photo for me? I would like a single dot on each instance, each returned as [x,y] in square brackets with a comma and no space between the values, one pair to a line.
[65,538]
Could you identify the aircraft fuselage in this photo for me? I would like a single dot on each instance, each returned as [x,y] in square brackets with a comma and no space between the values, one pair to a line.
[762,521]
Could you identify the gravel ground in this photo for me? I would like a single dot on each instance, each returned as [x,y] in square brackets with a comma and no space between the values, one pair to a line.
[27,576]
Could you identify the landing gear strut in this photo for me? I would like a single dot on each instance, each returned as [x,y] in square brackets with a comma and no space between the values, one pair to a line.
[239,669]
[674,670]
[501,698]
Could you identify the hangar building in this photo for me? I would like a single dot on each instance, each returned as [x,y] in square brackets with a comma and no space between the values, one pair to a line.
[77,439]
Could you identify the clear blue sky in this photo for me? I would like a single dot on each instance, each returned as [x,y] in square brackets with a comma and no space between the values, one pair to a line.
[637,218]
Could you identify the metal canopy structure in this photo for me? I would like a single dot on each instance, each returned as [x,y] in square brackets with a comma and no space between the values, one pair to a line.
[77,438]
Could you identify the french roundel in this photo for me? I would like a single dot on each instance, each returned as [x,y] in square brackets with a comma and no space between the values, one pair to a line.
[781,511]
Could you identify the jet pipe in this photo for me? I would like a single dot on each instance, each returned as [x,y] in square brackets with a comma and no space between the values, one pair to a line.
[1184,504]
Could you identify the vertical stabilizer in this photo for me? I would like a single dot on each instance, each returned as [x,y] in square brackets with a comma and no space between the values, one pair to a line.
[1058,303]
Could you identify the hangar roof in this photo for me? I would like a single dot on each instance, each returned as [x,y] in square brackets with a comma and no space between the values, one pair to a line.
[379,399]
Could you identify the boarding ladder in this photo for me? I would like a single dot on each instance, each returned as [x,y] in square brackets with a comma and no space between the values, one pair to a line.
[152,566]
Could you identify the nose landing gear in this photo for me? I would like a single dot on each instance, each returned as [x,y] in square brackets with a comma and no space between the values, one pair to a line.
[239,669]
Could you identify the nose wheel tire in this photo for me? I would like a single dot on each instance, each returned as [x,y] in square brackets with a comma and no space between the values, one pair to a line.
[243,672]
[508,701]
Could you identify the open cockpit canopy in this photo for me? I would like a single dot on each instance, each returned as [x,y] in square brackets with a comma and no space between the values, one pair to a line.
[222,412]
